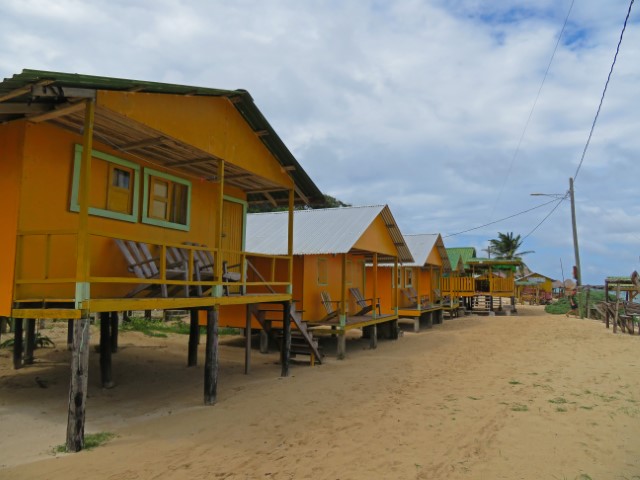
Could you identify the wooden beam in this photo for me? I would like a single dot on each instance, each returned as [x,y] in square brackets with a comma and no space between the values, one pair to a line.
[78,386]
[22,90]
[301,195]
[193,161]
[140,144]
[65,109]
[66,92]
[270,199]
[262,133]
[23,108]
[211,358]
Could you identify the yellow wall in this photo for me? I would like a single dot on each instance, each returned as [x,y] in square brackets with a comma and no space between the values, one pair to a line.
[11,144]
[44,205]
[210,123]
[376,238]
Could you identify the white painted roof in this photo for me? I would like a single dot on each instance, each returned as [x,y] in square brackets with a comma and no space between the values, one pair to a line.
[320,231]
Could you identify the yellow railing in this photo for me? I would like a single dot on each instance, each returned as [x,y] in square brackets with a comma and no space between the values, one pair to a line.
[457,285]
[46,267]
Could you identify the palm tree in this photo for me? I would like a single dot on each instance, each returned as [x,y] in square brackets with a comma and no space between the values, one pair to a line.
[506,246]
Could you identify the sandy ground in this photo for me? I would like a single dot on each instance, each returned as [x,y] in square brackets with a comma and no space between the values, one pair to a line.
[531,396]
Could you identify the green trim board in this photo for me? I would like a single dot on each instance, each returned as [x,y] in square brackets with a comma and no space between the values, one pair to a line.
[74,205]
[149,172]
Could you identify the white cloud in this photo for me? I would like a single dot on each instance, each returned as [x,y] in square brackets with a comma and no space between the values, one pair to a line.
[419,104]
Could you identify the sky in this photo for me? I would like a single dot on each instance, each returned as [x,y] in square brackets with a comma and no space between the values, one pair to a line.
[424,105]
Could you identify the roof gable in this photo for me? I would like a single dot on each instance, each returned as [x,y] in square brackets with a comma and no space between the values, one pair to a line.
[423,247]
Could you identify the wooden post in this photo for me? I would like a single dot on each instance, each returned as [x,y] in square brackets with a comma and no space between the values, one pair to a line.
[30,341]
[78,385]
[115,327]
[105,350]
[247,341]
[194,327]
[586,307]
[17,343]
[373,336]
[606,299]
[374,300]
[342,339]
[147,314]
[211,358]
[285,352]
[69,334]
[264,335]
[615,318]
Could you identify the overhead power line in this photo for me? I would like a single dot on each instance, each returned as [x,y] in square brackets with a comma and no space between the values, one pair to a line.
[501,220]
[533,107]
[545,218]
[604,92]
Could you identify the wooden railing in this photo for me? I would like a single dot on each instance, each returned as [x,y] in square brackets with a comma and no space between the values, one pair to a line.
[46,267]
[457,285]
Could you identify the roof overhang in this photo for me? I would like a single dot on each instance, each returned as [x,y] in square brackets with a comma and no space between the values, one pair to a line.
[57,98]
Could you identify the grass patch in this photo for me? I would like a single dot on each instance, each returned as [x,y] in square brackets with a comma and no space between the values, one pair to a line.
[91,440]
[585,407]
[558,401]
[473,398]
[514,382]
[42,341]
[518,407]
[562,305]
[561,409]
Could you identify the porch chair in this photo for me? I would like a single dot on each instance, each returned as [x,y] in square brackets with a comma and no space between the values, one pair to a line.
[143,265]
[366,304]
[206,269]
[412,296]
[328,305]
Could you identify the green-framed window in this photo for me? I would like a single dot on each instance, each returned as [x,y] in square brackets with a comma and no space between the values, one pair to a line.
[166,200]
[114,189]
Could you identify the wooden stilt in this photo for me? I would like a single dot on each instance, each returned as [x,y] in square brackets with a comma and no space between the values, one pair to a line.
[3,327]
[373,336]
[17,343]
[69,334]
[285,352]
[211,358]
[194,327]
[30,341]
[105,350]
[393,325]
[342,346]
[247,342]
[78,385]
[264,339]
[115,326]
[147,314]
[429,318]
[416,324]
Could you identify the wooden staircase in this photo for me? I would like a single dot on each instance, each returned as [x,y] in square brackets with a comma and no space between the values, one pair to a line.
[302,339]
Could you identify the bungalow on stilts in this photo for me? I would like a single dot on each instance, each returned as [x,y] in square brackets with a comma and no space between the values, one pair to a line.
[334,293]
[125,195]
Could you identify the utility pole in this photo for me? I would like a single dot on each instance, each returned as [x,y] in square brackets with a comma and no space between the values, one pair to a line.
[575,234]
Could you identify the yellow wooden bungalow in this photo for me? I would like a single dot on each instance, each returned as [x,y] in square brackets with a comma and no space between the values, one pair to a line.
[487,284]
[534,288]
[420,294]
[123,195]
[332,290]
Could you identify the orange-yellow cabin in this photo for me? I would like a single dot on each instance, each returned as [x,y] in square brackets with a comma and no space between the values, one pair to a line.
[170,166]
[419,282]
[331,248]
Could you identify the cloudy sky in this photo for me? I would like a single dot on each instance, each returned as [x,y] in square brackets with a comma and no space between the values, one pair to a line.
[420,104]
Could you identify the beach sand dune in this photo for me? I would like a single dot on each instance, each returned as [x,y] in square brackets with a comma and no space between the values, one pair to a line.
[518,397]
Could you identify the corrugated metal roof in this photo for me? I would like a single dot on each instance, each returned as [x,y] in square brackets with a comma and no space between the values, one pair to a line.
[421,246]
[16,92]
[321,231]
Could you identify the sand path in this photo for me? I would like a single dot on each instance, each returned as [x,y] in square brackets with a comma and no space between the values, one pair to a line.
[523,397]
